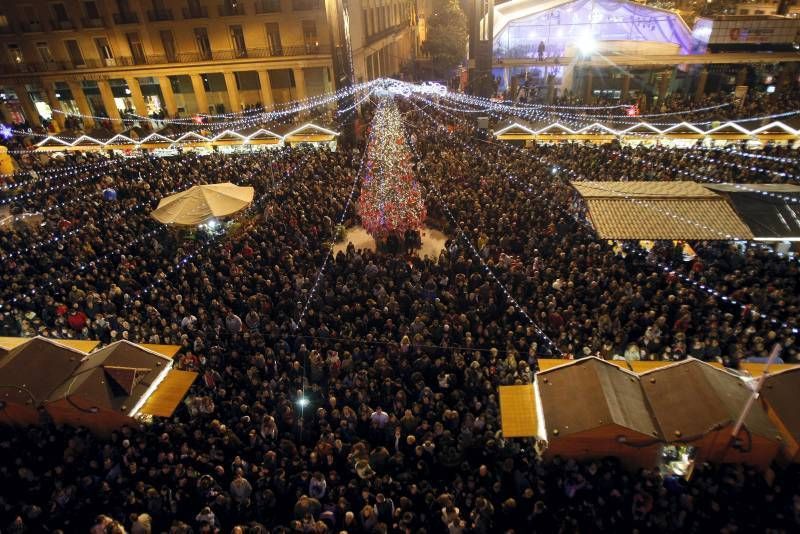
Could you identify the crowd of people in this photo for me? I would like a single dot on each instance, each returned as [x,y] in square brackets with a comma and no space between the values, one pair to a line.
[362,397]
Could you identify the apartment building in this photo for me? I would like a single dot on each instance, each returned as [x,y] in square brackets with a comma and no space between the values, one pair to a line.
[103,58]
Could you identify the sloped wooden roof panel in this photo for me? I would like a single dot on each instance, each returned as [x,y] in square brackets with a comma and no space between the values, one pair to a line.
[653,219]
[691,399]
[591,393]
[642,188]
[780,392]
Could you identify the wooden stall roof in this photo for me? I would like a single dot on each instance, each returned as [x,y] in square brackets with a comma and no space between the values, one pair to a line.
[518,411]
[643,189]
[83,345]
[756,369]
[114,377]
[780,393]
[637,366]
[590,393]
[165,350]
[165,399]
[691,399]
[31,371]
[660,210]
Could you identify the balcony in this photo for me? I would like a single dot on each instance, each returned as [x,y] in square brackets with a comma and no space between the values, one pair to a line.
[65,24]
[195,12]
[228,10]
[306,5]
[126,18]
[157,15]
[188,57]
[268,6]
[92,23]
[31,27]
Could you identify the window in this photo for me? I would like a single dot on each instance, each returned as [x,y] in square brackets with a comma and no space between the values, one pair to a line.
[310,33]
[44,52]
[137,49]
[60,13]
[104,51]
[203,45]
[15,53]
[3,22]
[237,38]
[168,42]
[92,13]
[61,20]
[74,52]
[274,39]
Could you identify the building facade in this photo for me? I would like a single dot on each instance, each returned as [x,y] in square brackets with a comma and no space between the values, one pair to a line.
[105,58]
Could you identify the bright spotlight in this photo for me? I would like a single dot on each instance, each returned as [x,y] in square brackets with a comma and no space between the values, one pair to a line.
[212,224]
[302,402]
[587,45]
[554,170]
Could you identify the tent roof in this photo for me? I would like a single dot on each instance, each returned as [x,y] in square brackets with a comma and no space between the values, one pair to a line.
[591,393]
[38,367]
[660,210]
[200,203]
[768,217]
[691,399]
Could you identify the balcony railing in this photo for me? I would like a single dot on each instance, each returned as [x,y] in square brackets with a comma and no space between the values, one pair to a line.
[189,57]
[31,27]
[227,10]
[92,23]
[156,15]
[62,25]
[268,6]
[126,18]
[195,12]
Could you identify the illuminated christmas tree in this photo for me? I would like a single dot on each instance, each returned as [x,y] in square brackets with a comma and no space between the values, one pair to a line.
[390,202]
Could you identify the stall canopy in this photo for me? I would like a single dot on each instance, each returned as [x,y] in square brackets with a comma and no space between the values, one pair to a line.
[202,203]
[660,210]
[767,209]
[779,396]
[697,404]
[592,409]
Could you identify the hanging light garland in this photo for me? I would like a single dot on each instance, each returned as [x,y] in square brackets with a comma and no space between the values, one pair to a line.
[699,286]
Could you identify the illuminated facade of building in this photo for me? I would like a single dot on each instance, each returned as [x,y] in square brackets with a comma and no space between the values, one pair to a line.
[180,57]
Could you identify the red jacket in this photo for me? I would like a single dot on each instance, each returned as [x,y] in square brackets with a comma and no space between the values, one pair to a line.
[77,320]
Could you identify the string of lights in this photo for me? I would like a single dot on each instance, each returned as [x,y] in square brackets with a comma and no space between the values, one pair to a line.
[555,168]
[753,168]
[54,239]
[89,178]
[466,239]
[731,150]
[527,113]
[296,106]
[225,234]
[699,286]
[51,174]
